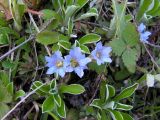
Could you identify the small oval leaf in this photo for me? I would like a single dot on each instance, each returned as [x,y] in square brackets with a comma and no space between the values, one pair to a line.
[72,89]
[61,110]
[65,44]
[47,37]
[48,104]
[84,49]
[127,92]
[89,38]
[19,94]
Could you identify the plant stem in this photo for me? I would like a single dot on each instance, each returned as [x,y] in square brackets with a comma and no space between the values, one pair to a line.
[29,94]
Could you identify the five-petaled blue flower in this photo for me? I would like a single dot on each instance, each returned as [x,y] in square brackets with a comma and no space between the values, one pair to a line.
[76,61]
[56,64]
[144,35]
[101,54]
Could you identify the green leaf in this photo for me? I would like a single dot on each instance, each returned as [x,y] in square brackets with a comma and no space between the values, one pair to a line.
[81,3]
[84,49]
[19,94]
[129,58]
[57,99]
[103,90]
[125,107]
[118,46]
[53,25]
[70,12]
[4,77]
[111,91]
[116,115]
[96,103]
[70,26]
[98,116]
[47,14]
[5,96]
[18,11]
[3,22]
[154,8]
[109,105]
[10,88]
[48,104]
[7,30]
[104,115]
[69,2]
[143,8]
[89,38]
[130,35]
[107,92]
[61,110]
[122,74]
[43,90]
[47,37]
[119,16]
[64,38]
[65,44]
[127,92]
[55,47]
[72,89]
[126,116]
[98,68]
[3,109]
[53,84]
[3,39]
[58,5]
[8,64]
[92,12]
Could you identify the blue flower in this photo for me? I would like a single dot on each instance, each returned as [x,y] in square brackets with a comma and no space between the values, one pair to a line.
[56,64]
[76,61]
[101,54]
[144,35]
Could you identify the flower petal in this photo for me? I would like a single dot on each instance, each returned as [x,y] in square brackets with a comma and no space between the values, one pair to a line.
[93,53]
[99,62]
[107,59]
[147,34]
[79,71]
[67,60]
[61,72]
[141,28]
[58,54]
[76,53]
[51,70]
[106,50]
[50,64]
[84,61]
[144,36]
[99,45]
[69,69]
[48,59]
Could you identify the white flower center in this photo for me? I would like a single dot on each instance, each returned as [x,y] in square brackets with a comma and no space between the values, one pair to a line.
[98,54]
[59,64]
[74,63]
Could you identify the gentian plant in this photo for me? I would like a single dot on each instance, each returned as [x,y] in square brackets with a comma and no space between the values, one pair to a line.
[76,61]
[79,59]
[56,64]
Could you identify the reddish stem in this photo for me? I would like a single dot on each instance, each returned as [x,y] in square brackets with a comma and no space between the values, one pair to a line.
[34,12]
